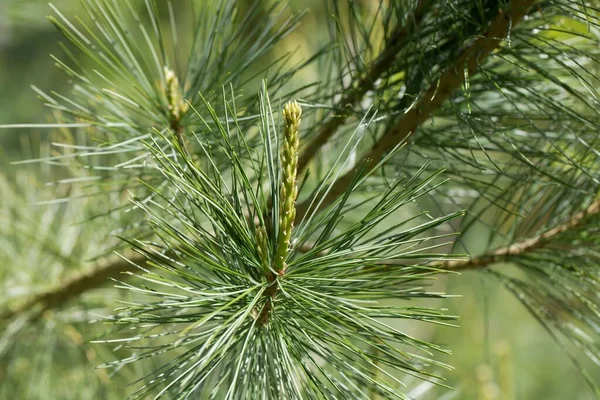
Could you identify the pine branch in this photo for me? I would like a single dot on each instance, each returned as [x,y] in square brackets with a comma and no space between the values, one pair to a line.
[465,65]
[522,247]
[355,94]
[115,269]
[236,301]
[79,284]
[430,101]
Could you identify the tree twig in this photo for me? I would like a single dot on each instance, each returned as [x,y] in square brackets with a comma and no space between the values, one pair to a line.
[519,248]
[79,284]
[98,277]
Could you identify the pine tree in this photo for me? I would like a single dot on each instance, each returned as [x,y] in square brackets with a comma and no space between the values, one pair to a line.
[221,224]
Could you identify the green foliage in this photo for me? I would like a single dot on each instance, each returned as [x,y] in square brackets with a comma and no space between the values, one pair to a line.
[279,259]
[311,329]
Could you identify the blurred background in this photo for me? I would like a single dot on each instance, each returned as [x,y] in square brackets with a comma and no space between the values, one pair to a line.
[499,352]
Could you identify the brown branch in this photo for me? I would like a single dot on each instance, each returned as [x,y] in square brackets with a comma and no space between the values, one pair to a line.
[438,92]
[267,308]
[79,284]
[519,248]
[381,64]
[115,268]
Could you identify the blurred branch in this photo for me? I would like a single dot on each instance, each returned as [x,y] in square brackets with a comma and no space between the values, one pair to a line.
[452,79]
[79,284]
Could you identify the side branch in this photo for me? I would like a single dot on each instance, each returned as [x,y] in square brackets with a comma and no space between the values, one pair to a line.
[438,92]
[519,248]
[79,284]
[354,95]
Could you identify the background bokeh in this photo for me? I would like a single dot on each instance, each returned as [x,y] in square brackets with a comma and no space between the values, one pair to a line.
[499,351]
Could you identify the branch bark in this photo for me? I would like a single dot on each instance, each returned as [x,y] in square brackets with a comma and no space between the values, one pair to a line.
[436,94]
[514,250]
[79,284]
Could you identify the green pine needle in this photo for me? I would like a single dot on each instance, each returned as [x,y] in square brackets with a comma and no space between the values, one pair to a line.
[317,327]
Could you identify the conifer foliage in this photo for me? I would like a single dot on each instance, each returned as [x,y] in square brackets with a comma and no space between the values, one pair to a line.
[200,239]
